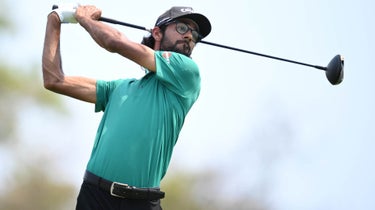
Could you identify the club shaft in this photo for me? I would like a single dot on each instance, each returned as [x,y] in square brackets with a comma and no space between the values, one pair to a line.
[108,20]
[263,55]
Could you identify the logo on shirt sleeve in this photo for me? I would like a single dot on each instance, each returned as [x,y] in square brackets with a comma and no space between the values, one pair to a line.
[166,56]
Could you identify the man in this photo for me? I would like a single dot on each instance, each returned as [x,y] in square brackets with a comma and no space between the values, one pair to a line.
[142,118]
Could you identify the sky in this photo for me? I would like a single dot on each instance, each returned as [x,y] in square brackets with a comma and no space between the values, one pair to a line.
[262,122]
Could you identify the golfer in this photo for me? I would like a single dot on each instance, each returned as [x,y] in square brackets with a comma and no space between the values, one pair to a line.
[143,117]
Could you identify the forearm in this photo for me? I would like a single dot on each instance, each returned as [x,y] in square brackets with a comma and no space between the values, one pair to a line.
[54,79]
[102,34]
[51,59]
[112,40]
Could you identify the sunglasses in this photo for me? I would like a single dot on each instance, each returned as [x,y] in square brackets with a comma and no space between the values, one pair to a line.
[183,28]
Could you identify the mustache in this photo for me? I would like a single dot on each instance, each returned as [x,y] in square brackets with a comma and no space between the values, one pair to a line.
[182,41]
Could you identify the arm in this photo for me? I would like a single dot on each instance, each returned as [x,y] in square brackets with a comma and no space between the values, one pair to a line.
[112,40]
[54,79]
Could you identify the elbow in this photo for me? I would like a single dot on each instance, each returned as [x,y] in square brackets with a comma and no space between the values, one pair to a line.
[51,81]
[49,85]
[55,86]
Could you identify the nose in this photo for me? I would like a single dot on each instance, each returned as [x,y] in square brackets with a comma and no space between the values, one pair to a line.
[188,35]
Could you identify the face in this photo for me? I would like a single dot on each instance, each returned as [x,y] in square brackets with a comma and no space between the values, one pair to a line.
[175,40]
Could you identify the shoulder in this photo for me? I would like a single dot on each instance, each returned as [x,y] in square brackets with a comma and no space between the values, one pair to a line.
[174,58]
[175,63]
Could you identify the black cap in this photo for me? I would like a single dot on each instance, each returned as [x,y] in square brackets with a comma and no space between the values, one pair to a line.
[185,12]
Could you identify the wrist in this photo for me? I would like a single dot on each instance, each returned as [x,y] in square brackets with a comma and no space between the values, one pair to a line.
[53,16]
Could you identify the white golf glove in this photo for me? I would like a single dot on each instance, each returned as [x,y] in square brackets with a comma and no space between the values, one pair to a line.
[66,12]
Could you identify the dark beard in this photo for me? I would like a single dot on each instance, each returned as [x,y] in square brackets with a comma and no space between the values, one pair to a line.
[185,49]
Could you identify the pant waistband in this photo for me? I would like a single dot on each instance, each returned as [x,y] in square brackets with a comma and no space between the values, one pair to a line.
[123,190]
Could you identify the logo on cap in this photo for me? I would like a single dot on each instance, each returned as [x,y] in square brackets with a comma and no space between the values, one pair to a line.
[187,9]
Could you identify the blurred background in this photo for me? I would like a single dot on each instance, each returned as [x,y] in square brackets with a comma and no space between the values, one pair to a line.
[264,134]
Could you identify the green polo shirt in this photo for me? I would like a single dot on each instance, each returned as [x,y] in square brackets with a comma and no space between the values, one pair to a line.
[142,120]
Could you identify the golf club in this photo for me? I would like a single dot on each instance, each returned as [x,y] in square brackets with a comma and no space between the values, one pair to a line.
[334,70]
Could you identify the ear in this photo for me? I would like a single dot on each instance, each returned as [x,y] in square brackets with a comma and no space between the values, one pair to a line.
[157,34]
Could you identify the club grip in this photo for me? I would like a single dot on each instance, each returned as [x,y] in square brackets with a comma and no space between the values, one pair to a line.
[55,7]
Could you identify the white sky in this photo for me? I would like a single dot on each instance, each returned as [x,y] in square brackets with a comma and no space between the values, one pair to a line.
[320,137]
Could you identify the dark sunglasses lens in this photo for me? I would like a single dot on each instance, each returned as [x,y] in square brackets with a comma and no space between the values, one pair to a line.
[182,28]
[195,35]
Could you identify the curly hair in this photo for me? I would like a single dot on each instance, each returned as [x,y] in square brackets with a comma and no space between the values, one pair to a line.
[149,40]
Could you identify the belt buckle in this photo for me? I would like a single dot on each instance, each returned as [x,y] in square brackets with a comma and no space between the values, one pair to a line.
[113,187]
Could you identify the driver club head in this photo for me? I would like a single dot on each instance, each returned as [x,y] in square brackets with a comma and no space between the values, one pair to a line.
[335,70]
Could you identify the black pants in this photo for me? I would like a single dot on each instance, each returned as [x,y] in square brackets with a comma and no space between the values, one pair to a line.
[93,198]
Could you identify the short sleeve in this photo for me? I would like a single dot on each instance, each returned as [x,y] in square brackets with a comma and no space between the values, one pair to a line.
[104,90]
[178,73]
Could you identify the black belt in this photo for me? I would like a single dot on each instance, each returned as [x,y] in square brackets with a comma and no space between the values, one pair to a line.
[123,190]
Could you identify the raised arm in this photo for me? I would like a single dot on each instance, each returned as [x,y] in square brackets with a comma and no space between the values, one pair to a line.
[54,79]
[112,40]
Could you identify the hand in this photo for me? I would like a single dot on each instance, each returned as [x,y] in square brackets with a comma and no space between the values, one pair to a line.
[88,12]
[66,12]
